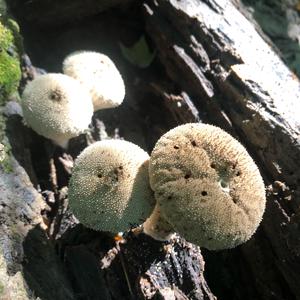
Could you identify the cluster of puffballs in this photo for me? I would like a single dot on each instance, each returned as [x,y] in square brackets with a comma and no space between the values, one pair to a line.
[199,181]
[60,106]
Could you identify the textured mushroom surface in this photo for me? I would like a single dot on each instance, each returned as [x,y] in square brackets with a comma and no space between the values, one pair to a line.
[207,186]
[57,107]
[109,189]
[99,75]
[2,152]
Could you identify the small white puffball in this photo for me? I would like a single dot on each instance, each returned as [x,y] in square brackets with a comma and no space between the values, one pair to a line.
[99,75]
[57,107]
[207,186]
[2,152]
[109,188]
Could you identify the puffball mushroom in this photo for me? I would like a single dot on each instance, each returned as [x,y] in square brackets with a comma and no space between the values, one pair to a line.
[207,186]
[57,107]
[2,152]
[109,188]
[99,75]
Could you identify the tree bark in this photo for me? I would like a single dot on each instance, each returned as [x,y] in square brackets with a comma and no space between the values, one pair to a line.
[232,75]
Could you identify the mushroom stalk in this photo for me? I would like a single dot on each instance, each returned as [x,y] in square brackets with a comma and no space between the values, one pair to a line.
[157,227]
[62,142]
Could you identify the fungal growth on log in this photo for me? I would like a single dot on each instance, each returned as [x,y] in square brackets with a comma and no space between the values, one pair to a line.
[182,61]
[57,107]
[109,189]
[99,75]
[207,187]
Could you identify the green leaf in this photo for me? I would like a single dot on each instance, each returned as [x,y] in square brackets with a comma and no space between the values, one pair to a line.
[139,54]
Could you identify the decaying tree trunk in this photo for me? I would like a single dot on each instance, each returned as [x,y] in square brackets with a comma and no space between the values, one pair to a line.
[230,73]
[211,66]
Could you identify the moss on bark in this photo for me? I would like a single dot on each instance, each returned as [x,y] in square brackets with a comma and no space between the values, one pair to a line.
[10,72]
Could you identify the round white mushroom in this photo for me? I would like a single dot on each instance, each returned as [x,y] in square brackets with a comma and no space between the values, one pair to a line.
[99,75]
[109,189]
[207,186]
[2,152]
[57,107]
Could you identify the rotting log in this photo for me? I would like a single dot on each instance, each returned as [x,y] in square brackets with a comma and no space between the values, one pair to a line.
[220,71]
[214,54]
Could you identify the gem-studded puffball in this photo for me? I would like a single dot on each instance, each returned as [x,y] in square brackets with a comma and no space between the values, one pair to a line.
[57,107]
[99,75]
[207,186]
[109,189]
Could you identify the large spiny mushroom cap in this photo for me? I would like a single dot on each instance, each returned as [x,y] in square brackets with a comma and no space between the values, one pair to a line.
[57,107]
[109,189]
[208,187]
[99,75]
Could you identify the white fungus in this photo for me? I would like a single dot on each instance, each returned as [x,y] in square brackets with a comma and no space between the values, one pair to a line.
[57,107]
[2,152]
[109,189]
[207,186]
[99,75]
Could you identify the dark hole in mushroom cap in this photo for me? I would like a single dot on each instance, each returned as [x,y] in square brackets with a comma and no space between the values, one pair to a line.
[176,147]
[187,176]
[55,95]
[204,193]
[238,173]
[194,144]
[213,165]
[223,184]
[99,175]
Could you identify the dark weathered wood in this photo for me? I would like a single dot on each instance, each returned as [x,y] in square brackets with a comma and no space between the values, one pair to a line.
[56,12]
[136,267]
[231,73]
